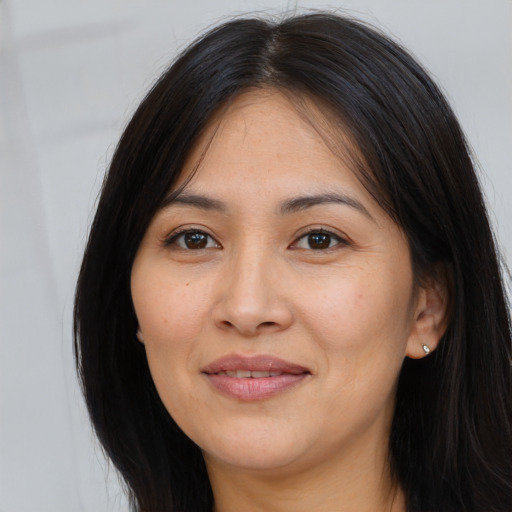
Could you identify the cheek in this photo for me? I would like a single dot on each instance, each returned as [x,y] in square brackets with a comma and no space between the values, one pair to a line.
[170,310]
[361,325]
[361,313]
[171,315]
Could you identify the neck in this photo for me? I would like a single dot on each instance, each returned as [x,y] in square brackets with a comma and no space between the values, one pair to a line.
[350,485]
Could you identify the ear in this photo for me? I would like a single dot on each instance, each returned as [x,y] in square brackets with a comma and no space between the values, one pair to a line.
[139,335]
[431,315]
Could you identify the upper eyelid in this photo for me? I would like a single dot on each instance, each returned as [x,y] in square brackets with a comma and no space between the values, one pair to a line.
[322,229]
[340,241]
[305,231]
[176,233]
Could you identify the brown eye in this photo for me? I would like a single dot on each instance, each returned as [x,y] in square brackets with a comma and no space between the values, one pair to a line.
[192,240]
[195,240]
[318,241]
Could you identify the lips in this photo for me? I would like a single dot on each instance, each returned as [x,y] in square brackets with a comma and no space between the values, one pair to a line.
[253,378]
[246,374]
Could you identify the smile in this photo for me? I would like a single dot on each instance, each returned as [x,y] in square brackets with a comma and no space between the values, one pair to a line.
[246,374]
[253,378]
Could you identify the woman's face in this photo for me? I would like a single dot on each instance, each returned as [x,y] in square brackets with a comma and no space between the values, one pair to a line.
[275,298]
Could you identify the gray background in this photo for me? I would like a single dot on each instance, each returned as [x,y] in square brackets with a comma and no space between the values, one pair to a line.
[71,72]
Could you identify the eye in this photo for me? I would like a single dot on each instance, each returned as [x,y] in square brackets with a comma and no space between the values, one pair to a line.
[318,240]
[192,239]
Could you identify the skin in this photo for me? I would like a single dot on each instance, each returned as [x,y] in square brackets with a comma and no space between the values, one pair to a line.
[348,311]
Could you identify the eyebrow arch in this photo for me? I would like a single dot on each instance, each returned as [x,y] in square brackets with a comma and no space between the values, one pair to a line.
[301,203]
[197,201]
[287,207]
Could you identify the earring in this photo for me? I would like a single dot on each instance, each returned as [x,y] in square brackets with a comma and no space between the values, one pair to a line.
[426,349]
[139,336]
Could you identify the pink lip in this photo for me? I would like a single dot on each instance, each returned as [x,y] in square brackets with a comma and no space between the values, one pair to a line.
[249,388]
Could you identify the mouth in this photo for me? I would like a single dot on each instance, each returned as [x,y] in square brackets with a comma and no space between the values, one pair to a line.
[253,378]
[247,374]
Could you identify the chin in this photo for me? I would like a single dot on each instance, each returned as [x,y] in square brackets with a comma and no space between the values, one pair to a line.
[255,452]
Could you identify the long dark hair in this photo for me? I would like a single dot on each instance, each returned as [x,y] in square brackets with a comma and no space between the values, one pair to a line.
[451,438]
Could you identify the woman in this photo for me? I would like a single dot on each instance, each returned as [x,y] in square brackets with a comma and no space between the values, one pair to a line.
[290,298]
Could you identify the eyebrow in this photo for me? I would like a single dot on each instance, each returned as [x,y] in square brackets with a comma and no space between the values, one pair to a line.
[303,202]
[287,207]
[197,201]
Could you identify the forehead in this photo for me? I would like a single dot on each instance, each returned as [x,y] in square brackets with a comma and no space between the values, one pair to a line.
[270,139]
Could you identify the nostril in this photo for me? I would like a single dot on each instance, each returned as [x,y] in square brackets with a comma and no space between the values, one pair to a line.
[263,326]
[267,324]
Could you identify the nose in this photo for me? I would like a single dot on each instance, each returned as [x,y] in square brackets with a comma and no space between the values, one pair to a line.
[251,299]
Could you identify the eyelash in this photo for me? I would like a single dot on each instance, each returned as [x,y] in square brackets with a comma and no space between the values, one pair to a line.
[173,240]
[340,241]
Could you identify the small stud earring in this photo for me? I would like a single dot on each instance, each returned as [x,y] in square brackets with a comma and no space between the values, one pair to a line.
[426,349]
[139,336]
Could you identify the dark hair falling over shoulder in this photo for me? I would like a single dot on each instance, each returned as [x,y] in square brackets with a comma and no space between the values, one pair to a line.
[451,438]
